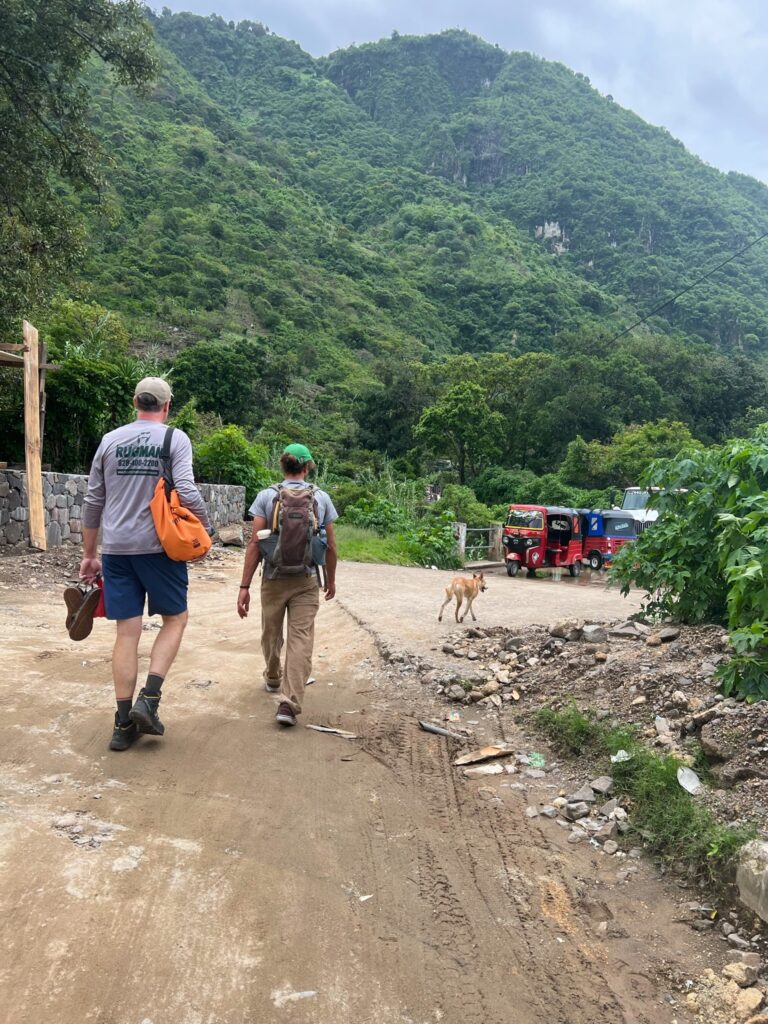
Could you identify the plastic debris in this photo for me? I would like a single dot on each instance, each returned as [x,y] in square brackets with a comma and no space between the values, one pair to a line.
[335,732]
[620,756]
[483,754]
[438,730]
[364,899]
[282,997]
[688,779]
[454,716]
[484,769]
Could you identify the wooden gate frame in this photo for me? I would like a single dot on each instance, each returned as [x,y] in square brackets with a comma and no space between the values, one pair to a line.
[33,360]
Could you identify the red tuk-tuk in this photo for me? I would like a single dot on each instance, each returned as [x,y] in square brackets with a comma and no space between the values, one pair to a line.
[542,537]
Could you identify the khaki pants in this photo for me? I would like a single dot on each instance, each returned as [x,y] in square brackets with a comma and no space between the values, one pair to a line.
[300,599]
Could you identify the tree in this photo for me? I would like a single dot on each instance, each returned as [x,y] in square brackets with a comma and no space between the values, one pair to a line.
[461,425]
[224,379]
[226,456]
[44,132]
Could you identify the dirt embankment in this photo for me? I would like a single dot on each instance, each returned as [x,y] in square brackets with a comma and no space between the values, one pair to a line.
[233,873]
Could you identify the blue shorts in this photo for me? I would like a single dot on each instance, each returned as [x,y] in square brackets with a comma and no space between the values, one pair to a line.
[129,579]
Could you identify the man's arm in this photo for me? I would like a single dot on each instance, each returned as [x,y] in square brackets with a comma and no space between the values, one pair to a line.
[93,507]
[331,560]
[252,558]
[184,478]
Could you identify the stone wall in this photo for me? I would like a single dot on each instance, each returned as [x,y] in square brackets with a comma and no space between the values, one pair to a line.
[63,496]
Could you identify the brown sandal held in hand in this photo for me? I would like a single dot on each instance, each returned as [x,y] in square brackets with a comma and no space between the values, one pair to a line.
[81,600]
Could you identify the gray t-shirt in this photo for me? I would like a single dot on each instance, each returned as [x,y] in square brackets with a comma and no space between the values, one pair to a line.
[265,501]
[122,480]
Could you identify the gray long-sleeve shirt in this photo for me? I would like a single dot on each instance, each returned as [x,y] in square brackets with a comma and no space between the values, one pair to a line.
[123,477]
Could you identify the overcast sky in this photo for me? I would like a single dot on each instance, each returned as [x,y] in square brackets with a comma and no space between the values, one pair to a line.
[697,67]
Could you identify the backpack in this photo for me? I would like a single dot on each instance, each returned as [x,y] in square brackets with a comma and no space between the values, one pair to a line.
[295,547]
[183,536]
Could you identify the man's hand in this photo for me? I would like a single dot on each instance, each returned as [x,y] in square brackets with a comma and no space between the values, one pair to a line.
[243,602]
[330,590]
[90,569]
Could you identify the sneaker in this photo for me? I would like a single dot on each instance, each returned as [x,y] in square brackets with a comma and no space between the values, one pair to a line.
[271,688]
[123,736]
[144,714]
[285,714]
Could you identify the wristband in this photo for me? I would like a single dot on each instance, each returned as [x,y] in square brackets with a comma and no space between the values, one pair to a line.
[245,586]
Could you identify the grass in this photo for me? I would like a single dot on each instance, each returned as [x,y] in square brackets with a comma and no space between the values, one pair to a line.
[672,823]
[356,544]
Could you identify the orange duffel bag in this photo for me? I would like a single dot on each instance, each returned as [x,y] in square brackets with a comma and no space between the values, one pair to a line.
[183,536]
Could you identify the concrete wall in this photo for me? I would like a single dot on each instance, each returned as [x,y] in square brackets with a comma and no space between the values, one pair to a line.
[63,496]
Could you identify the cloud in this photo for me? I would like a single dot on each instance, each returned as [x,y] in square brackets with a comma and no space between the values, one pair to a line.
[693,66]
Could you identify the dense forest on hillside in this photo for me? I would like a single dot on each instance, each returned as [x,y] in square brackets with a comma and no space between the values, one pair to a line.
[396,251]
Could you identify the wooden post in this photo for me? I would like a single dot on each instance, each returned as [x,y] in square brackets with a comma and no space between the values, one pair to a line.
[460,534]
[43,359]
[495,543]
[32,442]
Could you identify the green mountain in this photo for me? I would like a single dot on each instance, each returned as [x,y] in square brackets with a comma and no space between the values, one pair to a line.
[623,204]
[344,226]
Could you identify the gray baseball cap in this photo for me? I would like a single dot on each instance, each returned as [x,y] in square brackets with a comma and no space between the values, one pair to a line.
[155,386]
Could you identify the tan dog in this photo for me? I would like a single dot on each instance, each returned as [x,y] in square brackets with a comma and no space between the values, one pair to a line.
[463,590]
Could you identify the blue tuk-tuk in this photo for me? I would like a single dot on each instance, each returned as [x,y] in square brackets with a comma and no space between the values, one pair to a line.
[605,533]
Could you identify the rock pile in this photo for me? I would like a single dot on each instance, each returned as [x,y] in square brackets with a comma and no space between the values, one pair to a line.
[662,680]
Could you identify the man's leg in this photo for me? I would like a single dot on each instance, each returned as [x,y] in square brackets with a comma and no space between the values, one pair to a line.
[167,643]
[274,600]
[124,597]
[302,609]
[125,657]
[125,666]
[166,582]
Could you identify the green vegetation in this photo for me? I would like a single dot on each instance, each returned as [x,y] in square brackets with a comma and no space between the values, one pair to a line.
[706,559]
[361,252]
[356,544]
[618,202]
[47,147]
[672,823]
[226,456]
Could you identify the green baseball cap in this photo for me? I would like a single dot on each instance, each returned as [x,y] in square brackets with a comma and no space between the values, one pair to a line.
[299,452]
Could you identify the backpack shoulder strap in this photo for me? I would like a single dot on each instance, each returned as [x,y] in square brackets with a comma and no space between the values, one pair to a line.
[165,460]
[277,488]
[165,454]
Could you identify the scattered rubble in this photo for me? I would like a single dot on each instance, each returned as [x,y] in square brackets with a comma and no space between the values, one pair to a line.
[661,679]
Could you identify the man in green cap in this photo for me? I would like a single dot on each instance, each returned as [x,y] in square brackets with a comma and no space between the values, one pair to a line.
[295,520]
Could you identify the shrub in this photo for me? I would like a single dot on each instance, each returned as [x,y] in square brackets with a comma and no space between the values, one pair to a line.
[378,514]
[226,456]
[706,559]
[464,505]
[433,542]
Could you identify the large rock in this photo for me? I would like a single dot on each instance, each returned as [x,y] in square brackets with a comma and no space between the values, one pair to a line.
[752,877]
[668,634]
[744,975]
[231,536]
[594,634]
[583,795]
[711,744]
[567,629]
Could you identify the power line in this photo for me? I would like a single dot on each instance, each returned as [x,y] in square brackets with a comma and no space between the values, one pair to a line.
[690,287]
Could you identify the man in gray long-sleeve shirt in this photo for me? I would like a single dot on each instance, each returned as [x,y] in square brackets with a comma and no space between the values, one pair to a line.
[124,473]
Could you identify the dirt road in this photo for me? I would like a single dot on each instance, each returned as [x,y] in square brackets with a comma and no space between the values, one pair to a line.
[233,873]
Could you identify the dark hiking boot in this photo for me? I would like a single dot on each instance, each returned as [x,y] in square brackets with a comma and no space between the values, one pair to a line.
[144,714]
[285,714]
[124,735]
